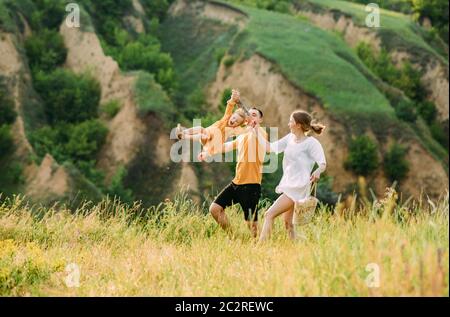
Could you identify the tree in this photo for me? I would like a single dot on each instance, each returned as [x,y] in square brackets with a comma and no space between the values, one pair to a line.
[85,139]
[68,97]
[45,50]
[437,11]
[396,166]
[363,157]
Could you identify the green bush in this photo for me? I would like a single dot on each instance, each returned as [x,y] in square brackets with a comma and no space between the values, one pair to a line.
[229,61]
[363,156]
[406,78]
[145,54]
[7,112]
[151,97]
[439,134]
[70,142]
[6,140]
[50,140]
[405,111]
[45,50]
[427,111]
[436,11]
[68,97]
[85,139]
[107,15]
[156,8]
[111,108]
[117,188]
[49,14]
[396,166]
[223,101]
[325,191]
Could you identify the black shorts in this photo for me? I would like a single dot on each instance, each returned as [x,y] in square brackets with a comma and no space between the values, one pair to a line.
[246,195]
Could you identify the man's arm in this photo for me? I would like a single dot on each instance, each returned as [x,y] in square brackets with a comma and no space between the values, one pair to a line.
[227,147]
[262,140]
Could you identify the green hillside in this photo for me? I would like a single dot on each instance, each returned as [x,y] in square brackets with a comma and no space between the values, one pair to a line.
[397,30]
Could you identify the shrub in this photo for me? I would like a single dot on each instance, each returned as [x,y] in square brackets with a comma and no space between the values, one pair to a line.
[152,98]
[7,112]
[68,97]
[396,166]
[427,111]
[49,14]
[45,50]
[156,8]
[117,188]
[145,54]
[6,140]
[50,140]
[107,15]
[405,111]
[111,108]
[229,61]
[363,157]
[85,139]
[325,191]
[223,101]
[439,134]
[70,142]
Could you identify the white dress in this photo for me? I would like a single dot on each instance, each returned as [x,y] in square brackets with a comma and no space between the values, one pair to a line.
[298,162]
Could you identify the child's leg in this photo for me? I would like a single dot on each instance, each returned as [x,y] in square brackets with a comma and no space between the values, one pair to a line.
[195,137]
[194,130]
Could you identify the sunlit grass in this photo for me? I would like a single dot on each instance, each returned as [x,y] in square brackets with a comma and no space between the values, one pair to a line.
[178,250]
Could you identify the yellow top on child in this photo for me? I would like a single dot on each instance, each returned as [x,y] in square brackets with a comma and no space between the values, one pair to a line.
[213,137]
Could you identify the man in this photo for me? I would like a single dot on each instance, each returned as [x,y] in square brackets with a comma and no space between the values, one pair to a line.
[245,189]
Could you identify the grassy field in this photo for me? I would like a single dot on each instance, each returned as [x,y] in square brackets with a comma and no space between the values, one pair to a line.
[177,249]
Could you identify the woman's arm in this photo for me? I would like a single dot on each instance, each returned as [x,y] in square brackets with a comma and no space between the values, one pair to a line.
[316,175]
[318,155]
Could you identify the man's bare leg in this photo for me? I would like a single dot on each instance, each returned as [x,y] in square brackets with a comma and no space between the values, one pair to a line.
[219,216]
[253,227]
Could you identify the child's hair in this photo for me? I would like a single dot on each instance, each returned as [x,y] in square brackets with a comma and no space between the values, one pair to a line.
[306,121]
[241,113]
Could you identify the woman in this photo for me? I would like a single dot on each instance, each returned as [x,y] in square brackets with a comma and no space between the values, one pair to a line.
[301,152]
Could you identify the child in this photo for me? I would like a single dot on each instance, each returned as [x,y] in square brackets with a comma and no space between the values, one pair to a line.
[215,135]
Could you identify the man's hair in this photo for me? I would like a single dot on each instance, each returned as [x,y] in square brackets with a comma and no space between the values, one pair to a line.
[260,112]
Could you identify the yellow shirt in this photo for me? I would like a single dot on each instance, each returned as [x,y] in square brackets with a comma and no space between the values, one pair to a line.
[250,159]
[219,131]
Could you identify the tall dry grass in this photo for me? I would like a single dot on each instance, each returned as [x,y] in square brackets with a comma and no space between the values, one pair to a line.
[176,249]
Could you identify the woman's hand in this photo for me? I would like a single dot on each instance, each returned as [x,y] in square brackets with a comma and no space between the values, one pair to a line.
[315,177]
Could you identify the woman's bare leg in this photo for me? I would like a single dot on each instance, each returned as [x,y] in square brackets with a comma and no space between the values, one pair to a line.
[281,205]
[289,224]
